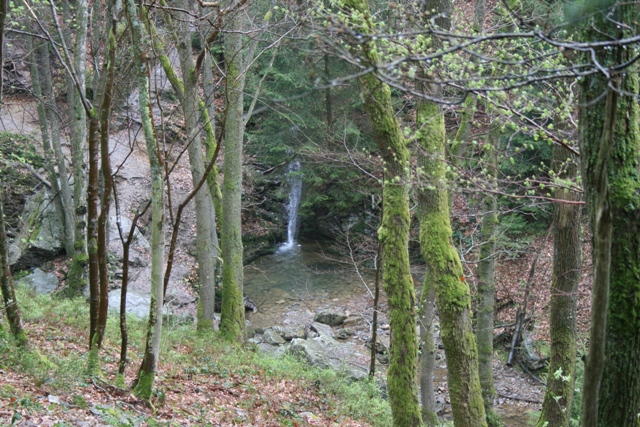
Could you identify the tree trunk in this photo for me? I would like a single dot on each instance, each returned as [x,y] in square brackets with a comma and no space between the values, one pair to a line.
[105,202]
[206,235]
[445,272]
[556,408]
[232,316]
[77,275]
[53,123]
[146,375]
[486,276]
[7,287]
[393,233]
[428,354]
[609,146]
[37,65]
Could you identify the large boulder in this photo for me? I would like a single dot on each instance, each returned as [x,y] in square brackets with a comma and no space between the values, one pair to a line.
[40,282]
[530,357]
[322,329]
[325,352]
[272,337]
[331,318]
[137,304]
[40,236]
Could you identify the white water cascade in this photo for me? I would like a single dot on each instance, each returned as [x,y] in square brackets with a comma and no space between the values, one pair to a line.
[295,192]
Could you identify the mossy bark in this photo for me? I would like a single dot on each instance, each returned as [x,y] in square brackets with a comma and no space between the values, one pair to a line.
[393,232]
[445,272]
[556,407]
[619,401]
[7,287]
[232,317]
[610,147]
[146,375]
[211,145]
[105,168]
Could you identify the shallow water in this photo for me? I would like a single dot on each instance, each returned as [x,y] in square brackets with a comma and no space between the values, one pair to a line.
[289,287]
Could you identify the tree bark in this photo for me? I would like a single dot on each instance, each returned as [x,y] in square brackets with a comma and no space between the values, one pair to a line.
[232,317]
[393,232]
[609,146]
[53,123]
[428,355]
[77,275]
[206,235]
[486,276]
[146,375]
[556,407]
[445,272]
[39,62]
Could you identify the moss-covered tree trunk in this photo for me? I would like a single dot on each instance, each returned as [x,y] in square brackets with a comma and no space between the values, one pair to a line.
[445,272]
[393,232]
[7,287]
[107,182]
[556,408]
[146,375]
[6,279]
[610,147]
[232,316]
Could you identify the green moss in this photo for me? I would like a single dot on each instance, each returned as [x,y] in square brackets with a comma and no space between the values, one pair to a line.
[144,387]
[93,361]
[76,276]
[120,382]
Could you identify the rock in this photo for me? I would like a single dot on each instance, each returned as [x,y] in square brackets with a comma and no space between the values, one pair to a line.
[353,321]
[255,340]
[325,352]
[380,347]
[273,350]
[281,301]
[125,223]
[290,332]
[331,318]
[530,357]
[41,282]
[382,358]
[322,329]
[250,305]
[137,305]
[272,337]
[344,333]
[40,237]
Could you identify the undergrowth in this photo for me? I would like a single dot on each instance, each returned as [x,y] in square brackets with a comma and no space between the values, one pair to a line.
[57,361]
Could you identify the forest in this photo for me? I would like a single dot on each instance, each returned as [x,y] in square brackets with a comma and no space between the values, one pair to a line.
[345,212]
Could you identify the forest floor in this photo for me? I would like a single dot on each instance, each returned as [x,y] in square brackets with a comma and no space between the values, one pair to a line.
[201,381]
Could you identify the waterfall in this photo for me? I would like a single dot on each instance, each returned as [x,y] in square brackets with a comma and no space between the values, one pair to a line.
[295,192]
